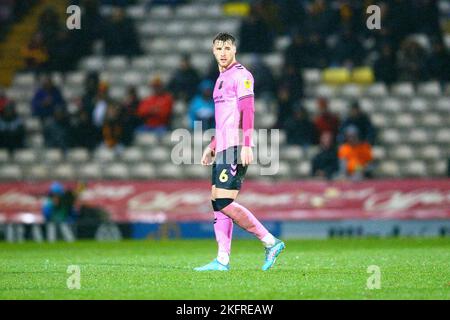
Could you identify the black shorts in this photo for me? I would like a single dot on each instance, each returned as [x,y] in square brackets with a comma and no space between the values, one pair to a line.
[227,171]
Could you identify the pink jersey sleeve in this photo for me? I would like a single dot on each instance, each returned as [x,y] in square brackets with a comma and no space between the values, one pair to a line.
[247,107]
[244,85]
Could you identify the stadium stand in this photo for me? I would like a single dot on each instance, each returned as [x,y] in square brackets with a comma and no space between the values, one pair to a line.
[412,117]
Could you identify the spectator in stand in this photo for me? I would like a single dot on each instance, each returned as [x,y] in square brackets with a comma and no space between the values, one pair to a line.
[62,51]
[185,80]
[4,101]
[156,110]
[439,63]
[35,54]
[56,130]
[349,51]
[317,55]
[294,15]
[49,25]
[12,128]
[90,92]
[326,163]
[47,100]
[292,80]
[83,133]
[120,36]
[385,66]
[130,117]
[319,18]
[264,79]
[361,121]
[299,129]
[411,62]
[58,210]
[201,107]
[113,128]
[297,52]
[285,106]
[100,106]
[326,121]
[255,35]
[355,156]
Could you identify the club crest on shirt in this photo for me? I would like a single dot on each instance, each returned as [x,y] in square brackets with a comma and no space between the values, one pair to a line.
[247,84]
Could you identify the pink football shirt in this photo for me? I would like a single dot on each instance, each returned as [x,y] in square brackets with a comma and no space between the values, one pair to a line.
[233,84]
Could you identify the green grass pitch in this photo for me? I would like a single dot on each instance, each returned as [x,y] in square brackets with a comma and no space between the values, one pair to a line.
[411,268]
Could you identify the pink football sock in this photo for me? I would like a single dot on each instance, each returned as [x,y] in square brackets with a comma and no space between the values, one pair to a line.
[223,228]
[245,219]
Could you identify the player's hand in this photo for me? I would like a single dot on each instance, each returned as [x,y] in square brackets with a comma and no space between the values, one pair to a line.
[208,156]
[246,155]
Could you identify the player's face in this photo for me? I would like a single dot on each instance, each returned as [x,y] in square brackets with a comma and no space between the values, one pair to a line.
[224,52]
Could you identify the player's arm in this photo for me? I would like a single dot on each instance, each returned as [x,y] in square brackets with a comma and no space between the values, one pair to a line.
[246,106]
[209,153]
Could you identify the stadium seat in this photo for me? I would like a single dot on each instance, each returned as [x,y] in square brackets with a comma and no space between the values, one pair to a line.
[312,76]
[404,120]
[63,172]
[196,171]
[388,169]
[38,172]
[116,171]
[402,152]
[170,171]
[104,155]
[23,109]
[379,152]
[325,91]
[438,168]
[90,171]
[418,105]
[430,89]
[418,136]
[403,89]
[36,140]
[443,135]
[351,91]
[33,125]
[25,156]
[367,105]
[414,169]
[302,169]
[339,106]
[146,139]
[431,120]
[117,63]
[4,155]
[312,151]
[363,75]
[135,12]
[292,153]
[10,172]
[92,63]
[380,120]
[24,80]
[75,78]
[377,90]
[158,154]
[335,76]
[159,12]
[51,155]
[143,63]
[431,152]
[77,155]
[443,104]
[391,105]
[391,136]
[132,154]
[142,171]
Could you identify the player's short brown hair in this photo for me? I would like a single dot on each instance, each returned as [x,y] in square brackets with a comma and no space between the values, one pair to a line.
[224,36]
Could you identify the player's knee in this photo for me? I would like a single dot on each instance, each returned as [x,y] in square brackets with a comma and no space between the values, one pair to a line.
[222,203]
